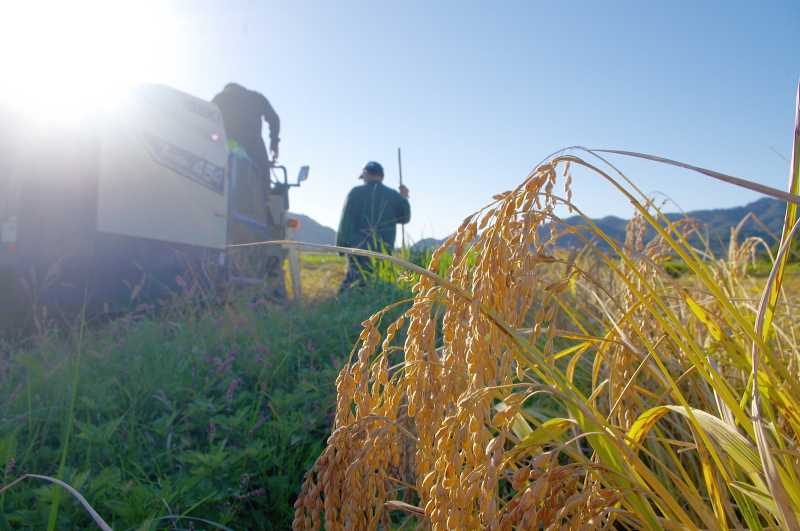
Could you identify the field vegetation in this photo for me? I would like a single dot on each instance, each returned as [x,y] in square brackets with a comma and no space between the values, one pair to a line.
[529,388]
[200,411]
[502,382]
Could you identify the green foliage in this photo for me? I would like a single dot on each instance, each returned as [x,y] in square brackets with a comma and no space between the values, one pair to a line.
[186,410]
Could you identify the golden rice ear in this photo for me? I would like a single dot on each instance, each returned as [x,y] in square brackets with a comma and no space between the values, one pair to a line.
[629,411]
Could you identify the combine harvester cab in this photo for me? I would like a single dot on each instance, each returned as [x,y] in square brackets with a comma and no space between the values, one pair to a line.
[116,206]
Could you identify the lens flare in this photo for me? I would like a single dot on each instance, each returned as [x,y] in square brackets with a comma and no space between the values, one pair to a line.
[70,57]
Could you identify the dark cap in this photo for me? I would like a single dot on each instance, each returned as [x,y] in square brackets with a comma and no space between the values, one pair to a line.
[373,168]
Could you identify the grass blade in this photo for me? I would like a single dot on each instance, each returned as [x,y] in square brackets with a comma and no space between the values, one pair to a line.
[771,472]
[743,183]
[788,224]
[96,517]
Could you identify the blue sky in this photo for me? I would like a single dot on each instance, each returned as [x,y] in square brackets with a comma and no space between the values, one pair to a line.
[477,94]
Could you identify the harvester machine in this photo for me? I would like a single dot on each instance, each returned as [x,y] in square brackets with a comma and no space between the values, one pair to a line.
[119,205]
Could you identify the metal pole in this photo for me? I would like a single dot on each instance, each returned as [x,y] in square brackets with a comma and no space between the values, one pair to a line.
[402,227]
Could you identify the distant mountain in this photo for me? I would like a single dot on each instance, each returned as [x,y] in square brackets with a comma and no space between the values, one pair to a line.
[718,224]
[715,225]
[427,243]
[312,232]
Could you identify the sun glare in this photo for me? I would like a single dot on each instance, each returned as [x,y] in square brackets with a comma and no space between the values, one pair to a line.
[61,59]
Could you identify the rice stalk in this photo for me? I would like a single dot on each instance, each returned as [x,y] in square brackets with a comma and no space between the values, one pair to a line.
[470,411]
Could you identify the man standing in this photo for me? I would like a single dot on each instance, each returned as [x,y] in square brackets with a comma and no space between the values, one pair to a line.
[242,111]
[370,214]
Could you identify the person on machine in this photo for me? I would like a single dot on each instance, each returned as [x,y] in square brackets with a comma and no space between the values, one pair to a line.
[242,111]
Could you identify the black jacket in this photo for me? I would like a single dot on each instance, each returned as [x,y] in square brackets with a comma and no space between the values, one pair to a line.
[370,214]
[242,111]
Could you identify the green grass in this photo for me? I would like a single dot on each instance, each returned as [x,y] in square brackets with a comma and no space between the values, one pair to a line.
[184,410]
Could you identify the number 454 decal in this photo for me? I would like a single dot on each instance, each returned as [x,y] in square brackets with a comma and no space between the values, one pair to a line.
[188,164]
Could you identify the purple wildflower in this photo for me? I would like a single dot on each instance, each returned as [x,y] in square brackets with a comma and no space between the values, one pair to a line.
[253,304]
[258,424]
[252,494]
[212,430]
[16,392]
[229,397]
[265,350]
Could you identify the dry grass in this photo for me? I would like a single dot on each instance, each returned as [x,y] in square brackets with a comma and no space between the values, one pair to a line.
[321,274]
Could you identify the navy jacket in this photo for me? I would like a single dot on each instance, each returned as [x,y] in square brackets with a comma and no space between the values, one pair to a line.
[370,214]
[242,111]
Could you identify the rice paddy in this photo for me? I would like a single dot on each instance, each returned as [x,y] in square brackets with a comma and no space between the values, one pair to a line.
[530,389]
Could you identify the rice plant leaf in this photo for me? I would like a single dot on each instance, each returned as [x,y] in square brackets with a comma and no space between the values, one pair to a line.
[549,431]
[766,190]
[733,348]
[747,507]
[724,435]
[712,485]
[642,425]
[729,439]
[790,219]
[762,499]
[610,456]
[774,480]
[573,362]
[521,427]
[701,314]
[777,479]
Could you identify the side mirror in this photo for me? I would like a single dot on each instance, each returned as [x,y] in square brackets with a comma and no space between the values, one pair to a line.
[303,175]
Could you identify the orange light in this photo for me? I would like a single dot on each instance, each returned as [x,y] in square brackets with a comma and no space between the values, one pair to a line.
[13,247]
[293,223]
